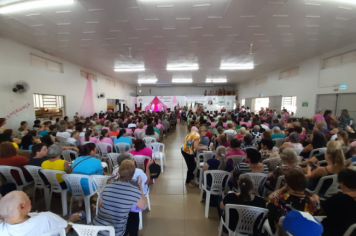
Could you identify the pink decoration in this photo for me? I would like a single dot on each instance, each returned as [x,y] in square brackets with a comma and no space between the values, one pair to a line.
[135,100]
[17,110]
[174,101]
[156,105]
[87,107]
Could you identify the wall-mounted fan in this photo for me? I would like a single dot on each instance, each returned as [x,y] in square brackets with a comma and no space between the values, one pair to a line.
[102,95]
[20,87]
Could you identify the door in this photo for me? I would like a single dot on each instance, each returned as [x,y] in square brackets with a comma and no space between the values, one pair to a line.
[327,102]
[248,103]
[347,101]
[275,103]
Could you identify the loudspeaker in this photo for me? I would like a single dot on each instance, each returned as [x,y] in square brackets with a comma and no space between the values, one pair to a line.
[117,102]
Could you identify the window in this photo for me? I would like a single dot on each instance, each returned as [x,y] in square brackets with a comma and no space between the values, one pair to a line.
[262,81]
[110,83]
[289,73]
[345,58]
[43,100]
[243,102]
[85,74]
[289,103]
[49,65]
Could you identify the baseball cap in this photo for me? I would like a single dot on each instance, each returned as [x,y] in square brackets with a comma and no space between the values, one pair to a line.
[302,224]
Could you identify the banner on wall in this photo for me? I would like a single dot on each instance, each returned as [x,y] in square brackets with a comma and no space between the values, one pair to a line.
[212,100]
[228,104]
[221,100]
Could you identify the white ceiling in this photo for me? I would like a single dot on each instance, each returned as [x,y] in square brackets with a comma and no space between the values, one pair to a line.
[96,34]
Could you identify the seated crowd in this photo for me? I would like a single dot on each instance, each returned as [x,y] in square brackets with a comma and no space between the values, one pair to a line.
[293,155]
[44,146]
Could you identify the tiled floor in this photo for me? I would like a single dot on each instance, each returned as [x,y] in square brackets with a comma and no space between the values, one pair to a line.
[175,209]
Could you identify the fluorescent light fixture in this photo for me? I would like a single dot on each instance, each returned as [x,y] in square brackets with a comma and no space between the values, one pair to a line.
[147,81]
[215,80]
[133,69]
[182,67]
[182,80]
[237,67]
[27,5]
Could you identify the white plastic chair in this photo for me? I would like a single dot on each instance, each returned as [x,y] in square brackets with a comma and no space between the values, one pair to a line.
[73,182]
[259,180]
[272,163]
[322,163]
[56,232]
[139,134]
[216,188]
[149,140]
[279,182]
[121,147]
[38,183]
[247,218]
[6,172]
[103,149]
[317,152]
[353,164]
[333,189]
[206,155]
[350,230]
[297,150]
[92,230]
[279,141]
[113,138]
[157,154]
[56,188]
[140,161]
[100,181]
[67,157]
[61,139]
[113,160]
[345,149]
[236,159]
[256,140]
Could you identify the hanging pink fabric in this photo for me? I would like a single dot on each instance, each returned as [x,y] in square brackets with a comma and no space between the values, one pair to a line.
[156,105]
[87,107]
[174,101]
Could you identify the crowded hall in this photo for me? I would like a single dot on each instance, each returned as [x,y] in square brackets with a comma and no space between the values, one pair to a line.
[177,118]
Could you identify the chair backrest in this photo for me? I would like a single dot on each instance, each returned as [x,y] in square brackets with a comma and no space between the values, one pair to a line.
[61,139]
[279,141]
[112,138]
[259,180]
[51,177]
[113,158]
[279,182]
[25,153]
[56,232]
[217,179]
[350,230]
[92,230]
[34,172]
[272,163]
[138,134]
[247,217]
[73,182]
[98,130]
[236,159]
[100,181]
[297,150]
[140,161]
[256,140]
[103,148]
[353,164]
[230,136]
[121,147]
[66,155]
[6,172]
[317,152]
[156,148]
[149,140]
[322,163]
[333,189]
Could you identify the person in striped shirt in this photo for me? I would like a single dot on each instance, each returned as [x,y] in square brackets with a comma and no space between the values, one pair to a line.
[116,201]
[253,164]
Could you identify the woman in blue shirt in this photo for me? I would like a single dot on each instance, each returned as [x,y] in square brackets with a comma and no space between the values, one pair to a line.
[87,164]
[27,142]
[121,138]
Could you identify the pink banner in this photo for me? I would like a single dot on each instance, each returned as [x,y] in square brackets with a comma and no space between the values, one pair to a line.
[87,107]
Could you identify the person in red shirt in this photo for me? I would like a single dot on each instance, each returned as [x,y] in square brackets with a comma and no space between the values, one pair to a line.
[223,109]
[328,118]
[9,157]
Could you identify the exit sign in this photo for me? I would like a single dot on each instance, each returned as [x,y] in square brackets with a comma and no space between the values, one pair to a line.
[343,86]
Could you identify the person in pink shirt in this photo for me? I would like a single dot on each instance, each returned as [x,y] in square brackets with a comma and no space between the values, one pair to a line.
[89,137]
[246,122]
[107,125]
[128,130]
[286,116]
[318,117]
[235,149]
[139,129]
[160,126]
[104,138]
[141,149]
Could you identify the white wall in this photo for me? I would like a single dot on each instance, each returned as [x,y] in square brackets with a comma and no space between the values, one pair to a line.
[178,91]
[310,82]
[15,65]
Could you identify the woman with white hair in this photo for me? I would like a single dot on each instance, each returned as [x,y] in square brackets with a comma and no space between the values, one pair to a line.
[277,133]
[290,161]
[294,142]
[55,162]
[62,132]
[256,132]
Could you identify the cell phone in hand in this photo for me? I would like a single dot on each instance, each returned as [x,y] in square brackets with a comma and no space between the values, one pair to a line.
[312,165]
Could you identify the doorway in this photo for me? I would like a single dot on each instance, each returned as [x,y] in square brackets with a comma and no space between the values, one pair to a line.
[337,102]
[259,103]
